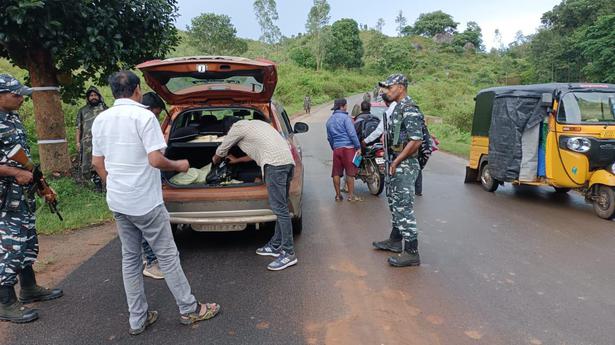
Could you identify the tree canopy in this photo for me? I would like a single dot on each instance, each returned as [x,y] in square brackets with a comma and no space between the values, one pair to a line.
[68,43]
[318,19]
[345,48]
[267,14]
[214,34]
[433,23]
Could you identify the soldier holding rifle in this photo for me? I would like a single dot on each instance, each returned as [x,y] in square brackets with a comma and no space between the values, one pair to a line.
[18,238]
[403,136]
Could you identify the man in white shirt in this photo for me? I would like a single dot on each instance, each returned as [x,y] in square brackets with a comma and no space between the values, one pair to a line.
[127,143]
[380,129]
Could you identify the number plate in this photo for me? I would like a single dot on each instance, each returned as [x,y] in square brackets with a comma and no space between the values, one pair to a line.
[219,227]
[607,134]
[379,160]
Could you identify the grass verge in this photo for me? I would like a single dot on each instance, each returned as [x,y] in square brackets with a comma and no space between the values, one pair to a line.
[452,140]
[80,206]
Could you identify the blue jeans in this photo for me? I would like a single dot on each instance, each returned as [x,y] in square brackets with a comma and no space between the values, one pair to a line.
[277,179]
[148,252]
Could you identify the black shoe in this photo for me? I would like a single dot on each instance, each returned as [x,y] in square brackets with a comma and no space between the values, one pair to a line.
[388,244]
[38,293]
[405,259]
[152,317]
[418,194]
[12,310]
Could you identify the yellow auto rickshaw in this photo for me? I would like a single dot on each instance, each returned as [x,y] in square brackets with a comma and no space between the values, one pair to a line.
[559,135]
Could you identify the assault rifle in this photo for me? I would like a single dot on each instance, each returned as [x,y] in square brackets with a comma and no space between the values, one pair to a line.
[387,157]
[41,186]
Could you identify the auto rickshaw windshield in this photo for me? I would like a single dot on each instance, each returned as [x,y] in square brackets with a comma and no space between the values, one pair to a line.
[587,107]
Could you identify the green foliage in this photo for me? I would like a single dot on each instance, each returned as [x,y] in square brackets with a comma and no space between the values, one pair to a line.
[401,21]
[267,14]
[451,139]
[397,55]
[318,18]
[345,48]
[559,51]
[296,82]
[214,34]
[433,23]
[598,46]
[302,56]
[86,40]
[80,206]
[472,34]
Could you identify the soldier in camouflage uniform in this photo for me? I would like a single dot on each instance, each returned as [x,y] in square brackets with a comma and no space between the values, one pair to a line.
[404,138]
[18,239]
[85,118]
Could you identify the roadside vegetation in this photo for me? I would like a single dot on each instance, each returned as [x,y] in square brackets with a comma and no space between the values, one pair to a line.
[447,66]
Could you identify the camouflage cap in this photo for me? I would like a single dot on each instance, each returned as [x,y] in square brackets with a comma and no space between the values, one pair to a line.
[9,84]
[394,79]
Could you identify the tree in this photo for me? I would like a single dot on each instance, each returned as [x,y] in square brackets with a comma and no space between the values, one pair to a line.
[498,44]
[401,22]
[597,47]
[267,14]
[214,34]
[318,18]
[345,47]
[472,34]
[380,25]
[71,42]
[433,23]
[557,51]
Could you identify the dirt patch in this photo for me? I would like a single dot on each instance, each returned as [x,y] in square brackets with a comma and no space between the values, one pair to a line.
[374,316]
[61,254]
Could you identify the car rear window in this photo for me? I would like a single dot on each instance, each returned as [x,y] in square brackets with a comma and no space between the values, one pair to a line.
[250,81]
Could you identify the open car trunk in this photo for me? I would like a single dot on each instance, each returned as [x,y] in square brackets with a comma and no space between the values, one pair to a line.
[195,136]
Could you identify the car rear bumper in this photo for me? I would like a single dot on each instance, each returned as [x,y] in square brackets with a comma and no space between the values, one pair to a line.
[223,220]
[226,215]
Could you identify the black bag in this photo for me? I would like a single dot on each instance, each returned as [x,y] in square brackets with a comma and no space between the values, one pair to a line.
[426,148]
[219,173]
[366,126]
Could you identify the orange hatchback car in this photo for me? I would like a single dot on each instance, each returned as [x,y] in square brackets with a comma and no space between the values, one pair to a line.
[207,95]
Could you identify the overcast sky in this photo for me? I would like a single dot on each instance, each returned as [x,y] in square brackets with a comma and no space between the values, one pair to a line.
[506,15]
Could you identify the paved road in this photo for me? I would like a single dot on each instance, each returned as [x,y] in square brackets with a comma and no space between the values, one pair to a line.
[521,266]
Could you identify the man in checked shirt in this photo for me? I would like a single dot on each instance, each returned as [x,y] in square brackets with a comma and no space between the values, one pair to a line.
[266,146]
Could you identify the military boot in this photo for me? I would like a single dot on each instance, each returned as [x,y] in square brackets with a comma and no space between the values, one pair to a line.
[31,292]
[12,310]
[392,244]
[408,257]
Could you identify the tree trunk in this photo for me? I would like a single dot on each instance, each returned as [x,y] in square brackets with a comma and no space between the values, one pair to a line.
[48,114]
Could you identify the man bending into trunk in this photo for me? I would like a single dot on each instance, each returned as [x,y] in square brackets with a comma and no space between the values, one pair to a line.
[266,146]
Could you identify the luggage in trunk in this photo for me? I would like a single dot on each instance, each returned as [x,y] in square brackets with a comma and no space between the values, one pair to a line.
[201,154]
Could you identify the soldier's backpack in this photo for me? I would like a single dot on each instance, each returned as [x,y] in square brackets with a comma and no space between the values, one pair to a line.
[426,146]
[366,126]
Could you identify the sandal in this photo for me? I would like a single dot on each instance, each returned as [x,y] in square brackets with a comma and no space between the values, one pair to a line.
[339,198]
[354,198]
[211,310]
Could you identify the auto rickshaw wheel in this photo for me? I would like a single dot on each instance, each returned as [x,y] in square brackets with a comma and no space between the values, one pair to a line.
[489,183]
[604,202]
[561,190]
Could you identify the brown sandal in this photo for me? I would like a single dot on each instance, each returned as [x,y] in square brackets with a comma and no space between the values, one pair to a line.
[211,310]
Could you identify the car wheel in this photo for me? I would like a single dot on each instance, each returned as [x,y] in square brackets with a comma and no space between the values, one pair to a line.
[489,183]
[297,225]
[604,202]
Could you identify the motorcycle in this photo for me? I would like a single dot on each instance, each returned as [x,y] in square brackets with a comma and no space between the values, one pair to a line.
[372,169]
